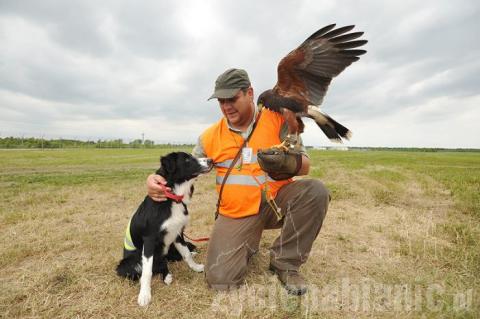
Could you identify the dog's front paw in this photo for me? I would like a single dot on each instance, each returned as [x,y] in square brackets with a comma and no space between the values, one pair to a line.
[198,267]
[168,279]
[144,298]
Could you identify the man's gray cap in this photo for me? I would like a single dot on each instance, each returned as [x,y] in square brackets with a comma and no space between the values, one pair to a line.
[229,83]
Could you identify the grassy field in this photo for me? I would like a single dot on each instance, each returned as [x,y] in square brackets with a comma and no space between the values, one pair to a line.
[401,239]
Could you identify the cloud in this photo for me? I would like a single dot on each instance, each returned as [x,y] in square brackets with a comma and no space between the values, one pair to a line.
[151,65]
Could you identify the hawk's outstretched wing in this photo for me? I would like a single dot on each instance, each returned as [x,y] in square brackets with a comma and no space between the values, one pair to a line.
[306,72]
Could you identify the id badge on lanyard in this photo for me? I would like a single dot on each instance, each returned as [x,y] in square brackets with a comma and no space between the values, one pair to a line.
[247,153]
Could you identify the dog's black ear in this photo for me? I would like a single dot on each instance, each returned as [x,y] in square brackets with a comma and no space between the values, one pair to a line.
[167,164]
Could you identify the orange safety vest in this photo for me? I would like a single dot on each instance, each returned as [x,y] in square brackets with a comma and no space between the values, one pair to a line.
[241,195]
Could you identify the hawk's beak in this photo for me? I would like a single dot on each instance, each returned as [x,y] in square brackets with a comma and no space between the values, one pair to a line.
[260,106]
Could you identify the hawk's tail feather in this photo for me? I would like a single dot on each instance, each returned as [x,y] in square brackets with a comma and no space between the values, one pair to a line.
[332,129]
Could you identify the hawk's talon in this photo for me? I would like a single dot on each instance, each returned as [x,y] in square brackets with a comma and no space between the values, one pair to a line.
[284,145]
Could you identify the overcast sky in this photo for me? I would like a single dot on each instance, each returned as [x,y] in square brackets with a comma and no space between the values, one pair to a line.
[117,69]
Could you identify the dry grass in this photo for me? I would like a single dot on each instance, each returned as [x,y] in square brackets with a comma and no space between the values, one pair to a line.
[388,227]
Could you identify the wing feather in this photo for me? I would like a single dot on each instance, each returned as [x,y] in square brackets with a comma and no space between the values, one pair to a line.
[346,37]
[321,32]
[338,31]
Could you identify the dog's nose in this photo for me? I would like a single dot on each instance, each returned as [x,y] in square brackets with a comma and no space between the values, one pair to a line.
[206,163]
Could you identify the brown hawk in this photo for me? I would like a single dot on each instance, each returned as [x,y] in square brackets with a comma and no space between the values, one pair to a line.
[304,76]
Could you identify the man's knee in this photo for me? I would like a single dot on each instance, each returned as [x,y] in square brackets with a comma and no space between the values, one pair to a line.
[220,278]
[225,270]
[315,189]
[316,197]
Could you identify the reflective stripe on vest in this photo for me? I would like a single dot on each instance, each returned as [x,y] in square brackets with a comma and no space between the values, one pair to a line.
[127,242]
[242,180]
[227,163]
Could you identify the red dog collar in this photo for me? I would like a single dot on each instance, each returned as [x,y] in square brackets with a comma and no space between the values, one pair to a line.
[176,198]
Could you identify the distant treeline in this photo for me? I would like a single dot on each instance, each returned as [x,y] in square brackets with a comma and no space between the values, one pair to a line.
[415,149]
[32,142]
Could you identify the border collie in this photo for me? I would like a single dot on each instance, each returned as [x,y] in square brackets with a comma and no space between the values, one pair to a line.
[155,226]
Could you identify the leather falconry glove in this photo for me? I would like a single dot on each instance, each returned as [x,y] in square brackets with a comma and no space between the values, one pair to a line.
[280,164]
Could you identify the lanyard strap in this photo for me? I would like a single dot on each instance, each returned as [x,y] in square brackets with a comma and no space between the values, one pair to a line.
[233,164]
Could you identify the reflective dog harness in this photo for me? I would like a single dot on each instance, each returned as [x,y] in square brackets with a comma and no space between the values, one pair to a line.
[127,242]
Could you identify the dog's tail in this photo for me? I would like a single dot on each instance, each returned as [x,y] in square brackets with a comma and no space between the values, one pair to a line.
[130,267]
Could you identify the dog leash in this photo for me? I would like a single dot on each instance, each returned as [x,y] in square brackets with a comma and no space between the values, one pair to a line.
[197,240]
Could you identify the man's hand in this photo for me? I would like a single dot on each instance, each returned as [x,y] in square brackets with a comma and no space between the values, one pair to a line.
[154,190]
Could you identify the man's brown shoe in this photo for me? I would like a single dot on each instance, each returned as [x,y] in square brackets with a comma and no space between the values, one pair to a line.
[291,280]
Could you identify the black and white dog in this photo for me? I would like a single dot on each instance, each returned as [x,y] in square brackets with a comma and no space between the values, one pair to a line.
[155,226]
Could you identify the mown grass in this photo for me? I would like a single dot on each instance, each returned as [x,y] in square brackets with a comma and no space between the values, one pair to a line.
[459,172]
[402,222]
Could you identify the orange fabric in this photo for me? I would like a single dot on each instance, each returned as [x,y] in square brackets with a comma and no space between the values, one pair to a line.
[220,144]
